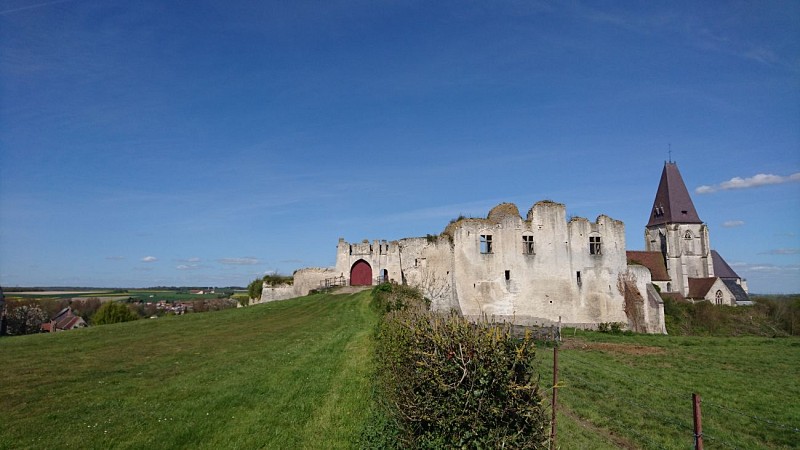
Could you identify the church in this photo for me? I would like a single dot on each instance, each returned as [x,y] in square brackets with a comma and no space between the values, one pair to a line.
[543,268]
[678,251]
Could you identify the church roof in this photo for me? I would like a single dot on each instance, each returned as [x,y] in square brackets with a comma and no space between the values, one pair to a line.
[652,260]
[699,287]
[721,268]
[736,289]
[673,203]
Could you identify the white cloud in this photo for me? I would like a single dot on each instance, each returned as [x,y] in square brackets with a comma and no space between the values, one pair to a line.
[761,179]
[190,260]
[704,189]
[247,261]
[782,251]
[732,223]
[188,266]
[149,259]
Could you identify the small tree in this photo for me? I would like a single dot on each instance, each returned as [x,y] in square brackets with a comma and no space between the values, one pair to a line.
[25,319]
[255,287]
[113,312]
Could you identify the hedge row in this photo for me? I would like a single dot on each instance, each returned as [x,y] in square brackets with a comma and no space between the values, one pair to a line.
[445,382]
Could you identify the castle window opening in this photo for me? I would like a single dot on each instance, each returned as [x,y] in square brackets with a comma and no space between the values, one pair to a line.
[508,275]
[527,245]
[486,243]
[578,276]
[594,245]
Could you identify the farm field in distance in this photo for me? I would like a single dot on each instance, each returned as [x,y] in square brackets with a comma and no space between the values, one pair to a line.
[297,374]
[144,295]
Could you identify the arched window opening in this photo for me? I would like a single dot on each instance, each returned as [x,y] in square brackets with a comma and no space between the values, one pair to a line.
[718,297]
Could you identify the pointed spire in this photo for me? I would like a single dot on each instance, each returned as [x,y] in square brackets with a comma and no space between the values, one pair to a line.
[673,203]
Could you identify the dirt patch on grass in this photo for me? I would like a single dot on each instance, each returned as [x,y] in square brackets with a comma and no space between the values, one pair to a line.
[626,349]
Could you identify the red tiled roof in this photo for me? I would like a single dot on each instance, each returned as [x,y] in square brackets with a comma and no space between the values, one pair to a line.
[652,260]
[698,287]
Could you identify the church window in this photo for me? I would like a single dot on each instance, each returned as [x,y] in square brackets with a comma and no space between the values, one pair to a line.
[718,297]
[594,245]
[486,243]
[669,287]
[527,245]
[688,235]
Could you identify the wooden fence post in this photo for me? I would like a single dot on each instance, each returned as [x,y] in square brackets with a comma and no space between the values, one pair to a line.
[555,396]
[698,424]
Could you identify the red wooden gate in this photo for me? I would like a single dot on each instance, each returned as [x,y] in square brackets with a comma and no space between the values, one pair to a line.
[361,274]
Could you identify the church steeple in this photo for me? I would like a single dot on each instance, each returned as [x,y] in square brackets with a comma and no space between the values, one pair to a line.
[673,203]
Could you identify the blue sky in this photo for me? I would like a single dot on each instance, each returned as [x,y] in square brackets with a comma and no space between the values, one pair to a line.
[206,143]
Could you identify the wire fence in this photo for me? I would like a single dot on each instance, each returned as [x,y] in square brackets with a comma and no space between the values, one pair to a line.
[655,414]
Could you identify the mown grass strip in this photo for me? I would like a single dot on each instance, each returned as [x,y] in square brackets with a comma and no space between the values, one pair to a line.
[293,374]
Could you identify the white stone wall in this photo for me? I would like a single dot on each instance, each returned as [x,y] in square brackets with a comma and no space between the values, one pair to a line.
[273,293]
[307,279]
[727,297]
[543,287]
[507,284]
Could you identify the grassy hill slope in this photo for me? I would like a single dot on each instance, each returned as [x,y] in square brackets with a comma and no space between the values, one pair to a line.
[291,374]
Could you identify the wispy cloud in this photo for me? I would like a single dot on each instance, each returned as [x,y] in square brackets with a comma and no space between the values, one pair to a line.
[761,179]
[247,261]
[115,258]
[149,259]
[190,260]
[189,266]
[38,5]
[732,223]
[782,251]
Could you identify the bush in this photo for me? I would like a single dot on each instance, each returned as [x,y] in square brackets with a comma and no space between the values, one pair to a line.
[388,297]
[447,382]
[113,312]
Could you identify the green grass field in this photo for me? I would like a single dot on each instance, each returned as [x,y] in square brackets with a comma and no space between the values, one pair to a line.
[635,391]
[283,375]
[297,374]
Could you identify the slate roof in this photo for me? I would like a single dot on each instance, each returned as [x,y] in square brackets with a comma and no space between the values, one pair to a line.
[652,260]
[698,287]
[738,293]
[721,268]
[673,203]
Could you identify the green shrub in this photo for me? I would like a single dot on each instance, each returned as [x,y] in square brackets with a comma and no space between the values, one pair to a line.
[447,382]
[387,297]
[113,312]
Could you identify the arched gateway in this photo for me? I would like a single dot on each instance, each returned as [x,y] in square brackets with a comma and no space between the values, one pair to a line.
[361,274]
